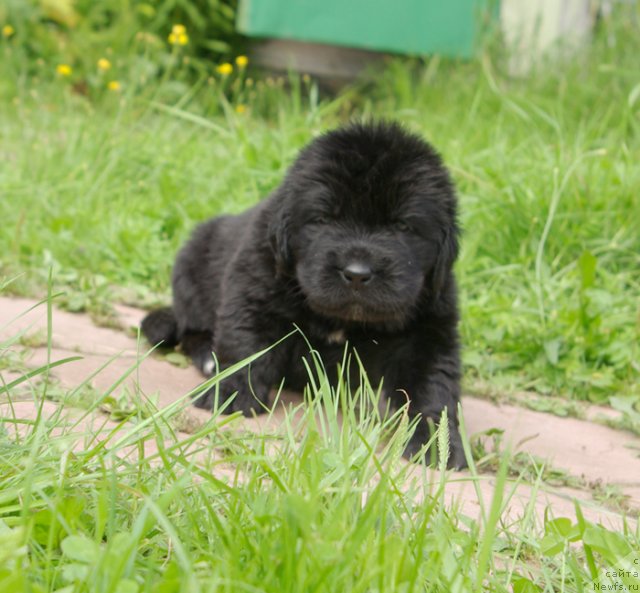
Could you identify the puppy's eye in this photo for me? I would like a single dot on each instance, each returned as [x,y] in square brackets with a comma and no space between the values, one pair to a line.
[402,226]
[319,219]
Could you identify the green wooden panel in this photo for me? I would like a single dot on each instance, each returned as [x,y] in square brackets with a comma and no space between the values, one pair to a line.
[448,27]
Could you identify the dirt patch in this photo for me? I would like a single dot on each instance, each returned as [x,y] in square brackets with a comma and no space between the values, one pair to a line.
[599,460]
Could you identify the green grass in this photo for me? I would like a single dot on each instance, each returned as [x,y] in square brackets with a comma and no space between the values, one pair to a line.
[324,505]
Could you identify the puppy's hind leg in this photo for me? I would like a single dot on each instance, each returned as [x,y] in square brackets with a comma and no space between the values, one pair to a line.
[160,326]
[198,345]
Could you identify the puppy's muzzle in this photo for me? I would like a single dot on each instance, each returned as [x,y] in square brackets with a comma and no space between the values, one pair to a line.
[356,274]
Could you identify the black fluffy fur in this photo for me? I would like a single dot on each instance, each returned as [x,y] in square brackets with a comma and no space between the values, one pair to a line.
[356,246]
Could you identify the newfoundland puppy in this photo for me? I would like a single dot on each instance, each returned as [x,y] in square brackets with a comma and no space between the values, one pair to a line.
[356,249]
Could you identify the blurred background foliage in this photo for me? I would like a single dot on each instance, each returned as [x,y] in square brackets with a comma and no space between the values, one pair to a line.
[133,36]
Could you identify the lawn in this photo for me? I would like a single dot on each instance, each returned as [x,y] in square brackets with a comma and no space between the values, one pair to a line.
[99,189]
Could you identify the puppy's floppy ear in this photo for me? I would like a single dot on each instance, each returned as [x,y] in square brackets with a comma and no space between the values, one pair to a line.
[278,231]
[447,255]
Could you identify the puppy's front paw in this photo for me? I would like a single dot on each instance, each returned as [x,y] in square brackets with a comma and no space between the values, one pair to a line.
[456,460]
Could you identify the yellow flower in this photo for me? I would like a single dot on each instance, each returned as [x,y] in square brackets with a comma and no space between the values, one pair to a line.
[8,31]
[242,61]
[240,109]
[175,39]
[64,69]
[113,85]
[104,64]
[178,35]
[225,69]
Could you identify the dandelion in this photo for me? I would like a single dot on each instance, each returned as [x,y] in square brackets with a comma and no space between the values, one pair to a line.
[104,64]
[225,69]
[240,109]
[64,69]
[114,85]
[8,31]
[175,39]
[242,61]
[178,35]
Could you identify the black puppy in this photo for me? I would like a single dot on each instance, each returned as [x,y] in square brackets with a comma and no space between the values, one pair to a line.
[355,247]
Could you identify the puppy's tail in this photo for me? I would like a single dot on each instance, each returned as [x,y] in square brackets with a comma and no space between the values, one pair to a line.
[160,326]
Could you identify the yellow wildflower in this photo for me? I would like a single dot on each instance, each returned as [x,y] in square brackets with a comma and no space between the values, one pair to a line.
[225,69]
[104,64]
[178,35]
[8,31]
[64,69]
[242,61]
[240,109]
[113,85]
[181,39]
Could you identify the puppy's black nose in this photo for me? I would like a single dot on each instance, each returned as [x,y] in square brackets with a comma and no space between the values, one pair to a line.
[357,274]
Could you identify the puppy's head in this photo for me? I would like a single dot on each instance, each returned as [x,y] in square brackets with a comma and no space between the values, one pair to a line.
[366,221]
